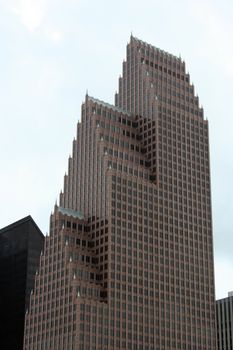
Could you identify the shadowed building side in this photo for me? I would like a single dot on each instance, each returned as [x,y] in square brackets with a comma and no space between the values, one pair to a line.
[224,312]
[21,244]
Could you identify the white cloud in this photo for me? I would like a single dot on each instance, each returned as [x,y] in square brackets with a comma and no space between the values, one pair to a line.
[33,14]
[30,12]
[55,36]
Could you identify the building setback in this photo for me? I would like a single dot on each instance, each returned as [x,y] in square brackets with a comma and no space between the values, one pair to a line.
[224,311]
[21,244]
[128,263]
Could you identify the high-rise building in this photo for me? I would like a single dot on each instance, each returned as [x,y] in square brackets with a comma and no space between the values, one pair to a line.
[128,263]
[21,244]
[224,315]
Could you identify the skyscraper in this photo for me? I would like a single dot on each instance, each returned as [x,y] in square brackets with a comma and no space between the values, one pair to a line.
[224,316]
[128,263]
[21,244]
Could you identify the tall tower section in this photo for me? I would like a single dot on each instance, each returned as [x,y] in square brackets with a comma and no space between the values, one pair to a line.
[156,88]
[128,263]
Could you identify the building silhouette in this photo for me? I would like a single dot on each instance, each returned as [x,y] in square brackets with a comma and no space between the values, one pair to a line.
[128,263]
[224,313]
[20,246]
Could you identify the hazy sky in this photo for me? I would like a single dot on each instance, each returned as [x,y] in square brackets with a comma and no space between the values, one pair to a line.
[52,51]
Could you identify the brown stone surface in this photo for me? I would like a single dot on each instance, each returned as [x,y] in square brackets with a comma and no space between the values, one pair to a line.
[144,277]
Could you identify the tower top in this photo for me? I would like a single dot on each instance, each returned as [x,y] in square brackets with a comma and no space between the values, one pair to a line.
[134,39]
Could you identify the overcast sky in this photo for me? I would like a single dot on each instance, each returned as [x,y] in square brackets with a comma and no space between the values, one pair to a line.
[52,51]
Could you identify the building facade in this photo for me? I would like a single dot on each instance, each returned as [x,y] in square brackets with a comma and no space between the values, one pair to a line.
[21,244]
[224,313]
[128,263]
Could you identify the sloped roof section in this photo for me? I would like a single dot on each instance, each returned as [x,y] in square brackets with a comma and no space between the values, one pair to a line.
[108,105]
[71,212]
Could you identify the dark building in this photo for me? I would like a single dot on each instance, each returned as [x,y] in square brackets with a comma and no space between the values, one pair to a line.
[224,311]
[128,263]
[21,244]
